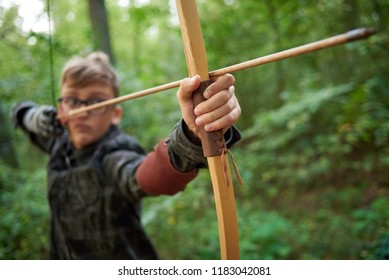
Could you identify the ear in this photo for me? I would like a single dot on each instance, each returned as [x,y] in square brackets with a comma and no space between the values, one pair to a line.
[117,112]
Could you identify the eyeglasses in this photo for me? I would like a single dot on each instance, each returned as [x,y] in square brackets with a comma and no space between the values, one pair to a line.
[71,103]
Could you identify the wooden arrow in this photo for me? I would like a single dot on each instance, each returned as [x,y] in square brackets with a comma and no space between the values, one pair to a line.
[213,143]
[353,35]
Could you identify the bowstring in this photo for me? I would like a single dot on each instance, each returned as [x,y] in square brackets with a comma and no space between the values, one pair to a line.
[51,55]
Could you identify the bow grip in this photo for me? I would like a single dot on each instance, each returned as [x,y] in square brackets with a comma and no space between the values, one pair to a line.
[212,142]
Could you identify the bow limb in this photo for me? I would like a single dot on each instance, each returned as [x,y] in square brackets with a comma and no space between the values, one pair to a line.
[220,173]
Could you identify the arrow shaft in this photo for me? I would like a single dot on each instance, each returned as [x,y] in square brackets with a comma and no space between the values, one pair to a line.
[340,39]
[347,37]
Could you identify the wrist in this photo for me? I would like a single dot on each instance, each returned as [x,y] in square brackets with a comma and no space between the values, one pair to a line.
[191,135]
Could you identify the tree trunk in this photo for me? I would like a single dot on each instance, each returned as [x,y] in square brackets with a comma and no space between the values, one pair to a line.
[7,152]
[99,19]
[279,68]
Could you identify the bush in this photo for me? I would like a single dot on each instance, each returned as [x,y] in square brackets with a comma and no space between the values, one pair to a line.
[23,214]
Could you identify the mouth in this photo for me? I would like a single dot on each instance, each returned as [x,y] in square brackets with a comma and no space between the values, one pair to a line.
[82,128]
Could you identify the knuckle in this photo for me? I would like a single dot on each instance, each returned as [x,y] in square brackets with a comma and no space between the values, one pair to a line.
[231,104]
[231,78]
[235,114]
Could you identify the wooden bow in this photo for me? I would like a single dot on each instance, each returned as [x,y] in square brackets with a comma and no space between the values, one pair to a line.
[213,143]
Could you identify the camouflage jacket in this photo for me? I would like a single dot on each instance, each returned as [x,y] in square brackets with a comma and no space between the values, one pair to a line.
[95,193]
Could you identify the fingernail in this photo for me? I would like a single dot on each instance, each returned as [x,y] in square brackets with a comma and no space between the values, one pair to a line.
[208,127]
[207,94]
[197,111]
[199,121]
[192,81]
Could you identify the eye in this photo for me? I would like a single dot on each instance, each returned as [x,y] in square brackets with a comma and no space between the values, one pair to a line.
[71,101]
[94,101]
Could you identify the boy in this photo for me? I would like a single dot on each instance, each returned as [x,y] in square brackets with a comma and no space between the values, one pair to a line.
[97,175]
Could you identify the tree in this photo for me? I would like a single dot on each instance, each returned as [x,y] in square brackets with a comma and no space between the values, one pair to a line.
[99,19]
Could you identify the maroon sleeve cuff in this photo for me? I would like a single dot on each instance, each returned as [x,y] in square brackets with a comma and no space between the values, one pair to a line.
[156,174]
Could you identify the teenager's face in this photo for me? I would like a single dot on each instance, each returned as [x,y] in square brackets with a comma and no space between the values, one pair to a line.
[87,128]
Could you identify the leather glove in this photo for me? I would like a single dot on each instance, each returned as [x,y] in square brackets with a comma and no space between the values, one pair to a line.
[42,120]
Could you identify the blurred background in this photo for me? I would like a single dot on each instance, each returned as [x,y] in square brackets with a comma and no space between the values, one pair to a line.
[314,155]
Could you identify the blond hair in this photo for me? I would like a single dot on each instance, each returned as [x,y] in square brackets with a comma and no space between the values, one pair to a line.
[96,67]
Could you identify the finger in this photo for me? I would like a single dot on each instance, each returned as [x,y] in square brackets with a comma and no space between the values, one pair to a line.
[219,99]
[217,113]
[223,116]
[219,83]
[224,122]
[187,86]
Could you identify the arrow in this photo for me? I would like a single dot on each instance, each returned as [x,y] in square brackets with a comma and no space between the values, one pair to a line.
[351,36]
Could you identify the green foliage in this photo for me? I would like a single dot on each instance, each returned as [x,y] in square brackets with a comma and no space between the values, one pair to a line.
[306,140]
[314,154]
[381,248]
[159,124]
[24,214]
[264,235]
[171,221]
[371,224]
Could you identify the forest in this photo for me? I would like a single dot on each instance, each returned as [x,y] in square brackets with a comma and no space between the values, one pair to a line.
[314,156]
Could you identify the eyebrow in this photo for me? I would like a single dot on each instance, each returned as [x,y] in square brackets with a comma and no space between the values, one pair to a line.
[93,95]
[100,95]
[70,92]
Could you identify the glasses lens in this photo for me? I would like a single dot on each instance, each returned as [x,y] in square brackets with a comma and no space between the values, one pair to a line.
[69,103]
[98,111]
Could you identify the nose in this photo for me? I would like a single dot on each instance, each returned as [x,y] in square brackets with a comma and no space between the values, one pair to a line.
[82,114]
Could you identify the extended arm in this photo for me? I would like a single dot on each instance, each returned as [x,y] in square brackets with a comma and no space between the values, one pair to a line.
[38,122]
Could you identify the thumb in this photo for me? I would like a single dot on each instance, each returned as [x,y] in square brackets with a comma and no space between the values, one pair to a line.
[184,97]
[188,85]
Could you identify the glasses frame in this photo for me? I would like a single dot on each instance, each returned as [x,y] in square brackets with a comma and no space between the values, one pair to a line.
[65,106]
